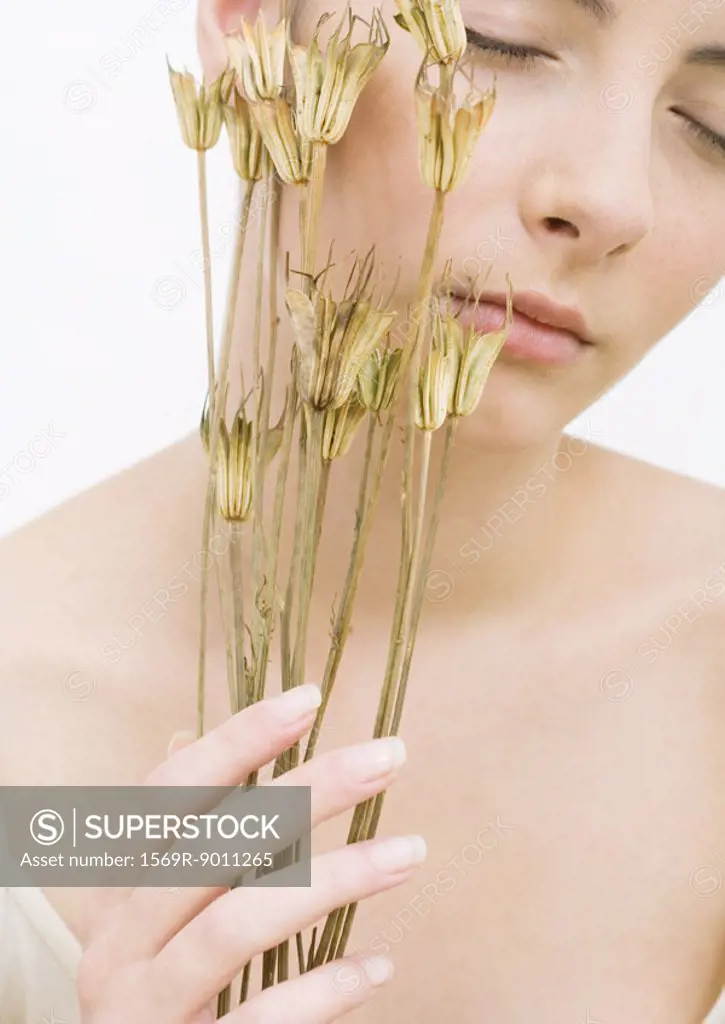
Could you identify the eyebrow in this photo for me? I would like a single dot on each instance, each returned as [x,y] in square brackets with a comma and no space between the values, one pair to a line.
[603,10]
[712,56]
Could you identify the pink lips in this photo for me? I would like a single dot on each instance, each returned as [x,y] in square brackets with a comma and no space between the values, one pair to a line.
[543,331]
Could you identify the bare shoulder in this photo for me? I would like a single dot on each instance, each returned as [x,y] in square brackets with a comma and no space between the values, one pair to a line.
[97,610]
[685,501]
[671,528]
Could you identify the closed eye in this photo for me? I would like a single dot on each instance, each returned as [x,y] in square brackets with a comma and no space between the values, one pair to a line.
[711,138]
[510,53]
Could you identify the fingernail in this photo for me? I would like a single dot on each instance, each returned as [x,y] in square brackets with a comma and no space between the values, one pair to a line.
[399,853]
[297,702]
[178,740]
[378,969]
[371,761]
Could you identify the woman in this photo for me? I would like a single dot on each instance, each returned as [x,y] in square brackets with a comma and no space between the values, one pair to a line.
[564,725]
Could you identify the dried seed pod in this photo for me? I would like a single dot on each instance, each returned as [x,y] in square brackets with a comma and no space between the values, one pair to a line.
[245,139]
[472,356]
[292,156]
[329,85]
[200,108]
[434,388]
[334,341]
[258,58]
[437,25]
[235,470]
[379,378]
[449,131]
[339,427]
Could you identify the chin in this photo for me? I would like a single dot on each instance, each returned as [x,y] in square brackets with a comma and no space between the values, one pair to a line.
[515,415]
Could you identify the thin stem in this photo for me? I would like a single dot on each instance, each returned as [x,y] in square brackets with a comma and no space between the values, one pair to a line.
[236,554]
[291,593]
[206,250]
[281,490]
[260,289]
[312,209]
[314,478]
[275,185]
[263,638]
[228,621]
[201,666]
[259,446]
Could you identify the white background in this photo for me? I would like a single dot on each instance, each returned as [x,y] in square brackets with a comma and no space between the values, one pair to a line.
[97,210]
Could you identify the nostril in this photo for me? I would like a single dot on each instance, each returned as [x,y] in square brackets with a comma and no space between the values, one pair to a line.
[561,226]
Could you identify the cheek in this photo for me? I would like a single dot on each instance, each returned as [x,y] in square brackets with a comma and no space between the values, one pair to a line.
[374,194]
[675,270]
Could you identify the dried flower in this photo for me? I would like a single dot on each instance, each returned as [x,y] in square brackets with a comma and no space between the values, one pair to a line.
[378,379]
[328,86]
[292,156]
[434,388]
[448,131]
[472,356]
[437,25]
[245,139]
[200,108]
[258,59]
[334,341]
[235,470]
[339,427]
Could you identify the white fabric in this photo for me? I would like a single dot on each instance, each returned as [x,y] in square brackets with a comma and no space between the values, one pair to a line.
[39,957]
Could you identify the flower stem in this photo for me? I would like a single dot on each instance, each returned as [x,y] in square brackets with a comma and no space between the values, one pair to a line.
[311,212]
[260,428]
[236,554]
[206,249]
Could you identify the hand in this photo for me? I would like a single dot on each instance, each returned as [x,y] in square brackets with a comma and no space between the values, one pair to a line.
[160,959]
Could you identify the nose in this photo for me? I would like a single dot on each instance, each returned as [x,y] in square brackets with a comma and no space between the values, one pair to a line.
[589,191]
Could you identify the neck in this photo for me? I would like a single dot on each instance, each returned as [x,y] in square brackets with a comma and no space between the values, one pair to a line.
[507,522]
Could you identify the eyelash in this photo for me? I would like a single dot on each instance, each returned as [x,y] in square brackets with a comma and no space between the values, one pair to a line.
[512,53]
[711,139]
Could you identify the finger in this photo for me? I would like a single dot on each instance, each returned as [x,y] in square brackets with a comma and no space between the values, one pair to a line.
[209,953]
[104,900]
[224,757]
[245,742]
[321,996]
[339,781]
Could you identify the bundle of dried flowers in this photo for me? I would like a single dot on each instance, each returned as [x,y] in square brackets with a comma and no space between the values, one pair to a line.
[345,369]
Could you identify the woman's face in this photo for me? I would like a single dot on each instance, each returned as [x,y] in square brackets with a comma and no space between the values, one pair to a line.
[599,182]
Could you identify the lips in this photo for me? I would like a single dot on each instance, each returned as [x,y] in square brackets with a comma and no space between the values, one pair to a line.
[543,330]
[538,307]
